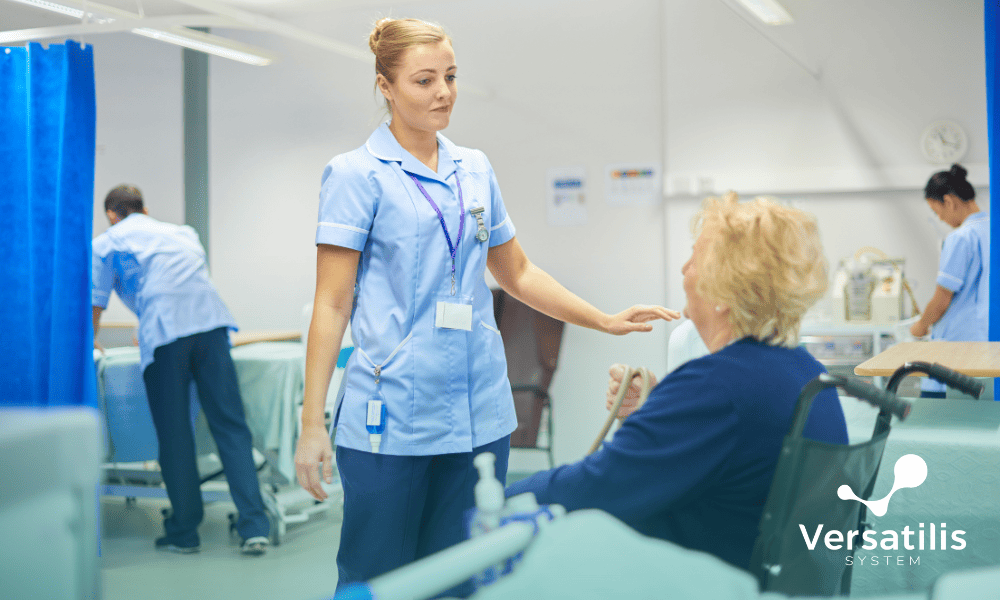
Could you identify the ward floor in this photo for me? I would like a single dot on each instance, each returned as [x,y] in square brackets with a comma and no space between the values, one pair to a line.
[303,567]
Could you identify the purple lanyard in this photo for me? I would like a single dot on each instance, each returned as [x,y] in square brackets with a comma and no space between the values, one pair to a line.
[461,222]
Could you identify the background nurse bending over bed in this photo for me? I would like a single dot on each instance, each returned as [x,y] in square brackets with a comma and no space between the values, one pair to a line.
[408,224]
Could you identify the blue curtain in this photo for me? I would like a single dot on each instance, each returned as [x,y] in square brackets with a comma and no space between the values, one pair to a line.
[992,19]
[47,129]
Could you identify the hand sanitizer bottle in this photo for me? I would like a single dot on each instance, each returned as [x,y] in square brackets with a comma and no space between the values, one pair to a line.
[488,492]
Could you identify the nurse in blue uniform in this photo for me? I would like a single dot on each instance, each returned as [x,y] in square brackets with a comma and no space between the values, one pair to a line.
[160,272]
[408,224]
[959,309]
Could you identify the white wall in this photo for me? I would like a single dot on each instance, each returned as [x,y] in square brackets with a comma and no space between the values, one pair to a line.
[826,114]
[572,83]
[836,101]
[139,130]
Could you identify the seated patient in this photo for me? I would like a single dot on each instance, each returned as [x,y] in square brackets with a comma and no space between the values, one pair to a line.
[694,464]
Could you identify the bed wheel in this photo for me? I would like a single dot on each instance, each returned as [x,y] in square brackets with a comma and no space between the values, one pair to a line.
[276,528]
[234,535]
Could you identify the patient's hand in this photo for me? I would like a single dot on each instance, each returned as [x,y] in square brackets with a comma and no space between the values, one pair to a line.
[629,404]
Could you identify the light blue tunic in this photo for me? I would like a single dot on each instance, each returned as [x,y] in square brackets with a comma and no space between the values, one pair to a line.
[160,273]
[446,390]
[965,270]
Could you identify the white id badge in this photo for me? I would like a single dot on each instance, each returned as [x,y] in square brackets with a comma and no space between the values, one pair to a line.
[454,316]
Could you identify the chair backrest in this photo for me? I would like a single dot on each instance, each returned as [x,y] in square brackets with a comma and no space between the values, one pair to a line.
[531,343]
[791,554]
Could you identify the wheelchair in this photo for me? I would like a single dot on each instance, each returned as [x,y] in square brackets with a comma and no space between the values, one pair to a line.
[805,501]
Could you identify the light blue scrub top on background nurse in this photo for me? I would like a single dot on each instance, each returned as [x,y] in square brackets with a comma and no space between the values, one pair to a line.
[446,390]
[965,271]
[160,272]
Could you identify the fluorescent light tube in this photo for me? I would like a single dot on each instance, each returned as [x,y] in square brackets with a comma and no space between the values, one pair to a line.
[69,11]
[768,11]
[181,36]
[195,40]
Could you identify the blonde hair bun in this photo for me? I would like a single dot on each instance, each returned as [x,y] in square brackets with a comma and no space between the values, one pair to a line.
[376,33]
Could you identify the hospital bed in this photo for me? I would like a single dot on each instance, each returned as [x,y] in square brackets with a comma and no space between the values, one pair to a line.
[271,379]
[50,461]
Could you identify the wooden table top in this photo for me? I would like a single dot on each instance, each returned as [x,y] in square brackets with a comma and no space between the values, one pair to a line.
[975,359]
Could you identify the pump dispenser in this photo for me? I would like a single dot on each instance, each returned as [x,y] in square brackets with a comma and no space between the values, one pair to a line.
[489,492]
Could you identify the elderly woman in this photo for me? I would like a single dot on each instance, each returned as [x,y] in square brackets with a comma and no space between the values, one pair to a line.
[693,465]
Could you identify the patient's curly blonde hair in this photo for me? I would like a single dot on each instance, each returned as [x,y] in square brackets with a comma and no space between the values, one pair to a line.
[764,261]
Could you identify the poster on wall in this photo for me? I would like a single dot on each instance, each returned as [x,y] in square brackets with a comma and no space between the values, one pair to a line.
[566,195]
[633,184]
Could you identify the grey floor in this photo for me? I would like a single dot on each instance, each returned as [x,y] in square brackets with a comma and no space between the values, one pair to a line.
[303,567]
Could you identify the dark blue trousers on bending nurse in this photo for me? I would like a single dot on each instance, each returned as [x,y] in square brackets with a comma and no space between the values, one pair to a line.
[398,509]
[204,357]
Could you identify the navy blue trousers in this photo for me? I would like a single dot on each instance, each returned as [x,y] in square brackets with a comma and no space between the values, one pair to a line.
[205,358]
[398,509]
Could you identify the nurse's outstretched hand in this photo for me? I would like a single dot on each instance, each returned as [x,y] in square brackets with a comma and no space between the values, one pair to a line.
[314,452]
[637,318]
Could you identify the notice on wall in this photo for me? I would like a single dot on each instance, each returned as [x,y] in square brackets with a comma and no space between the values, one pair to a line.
[633,184]
[566,194]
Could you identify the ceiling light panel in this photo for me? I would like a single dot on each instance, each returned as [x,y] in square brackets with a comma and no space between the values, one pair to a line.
[768,11]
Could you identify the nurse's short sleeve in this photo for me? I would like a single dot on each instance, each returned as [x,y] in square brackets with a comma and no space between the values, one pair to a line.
[103,274]
[501,227]
[346,205]
[956,259]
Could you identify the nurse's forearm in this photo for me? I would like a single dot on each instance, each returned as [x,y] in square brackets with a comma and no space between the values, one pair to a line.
[336,270]
[539,290]
[97,319]
[936,307]
[326,331]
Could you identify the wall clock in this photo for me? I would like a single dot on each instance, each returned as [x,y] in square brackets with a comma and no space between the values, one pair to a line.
[944,142]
